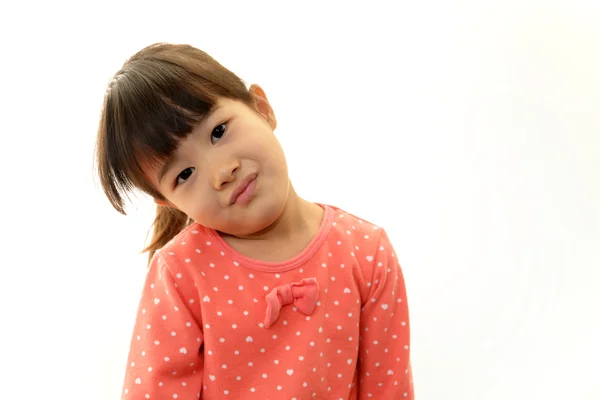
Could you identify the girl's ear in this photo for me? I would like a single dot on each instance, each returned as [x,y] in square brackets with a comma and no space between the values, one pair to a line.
[262,105]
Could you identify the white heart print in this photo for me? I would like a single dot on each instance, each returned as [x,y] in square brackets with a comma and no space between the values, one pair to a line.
[290,372]
[384,306]
[138,381]
[206,299]
[346,290]
[369,258]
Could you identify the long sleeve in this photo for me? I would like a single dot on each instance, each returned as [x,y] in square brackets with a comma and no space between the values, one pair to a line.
[384,369]
[164,359]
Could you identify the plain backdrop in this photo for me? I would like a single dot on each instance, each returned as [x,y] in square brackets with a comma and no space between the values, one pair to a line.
[469,129]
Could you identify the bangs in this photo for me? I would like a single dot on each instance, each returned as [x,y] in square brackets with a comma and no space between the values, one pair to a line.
[150,113]
[155,115]
[152,104]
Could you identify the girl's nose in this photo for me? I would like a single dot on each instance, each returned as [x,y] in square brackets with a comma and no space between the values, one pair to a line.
[224,173]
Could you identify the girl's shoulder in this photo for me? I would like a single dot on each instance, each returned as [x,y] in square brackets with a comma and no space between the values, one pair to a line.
[192,242]
[351,231]
[344,220]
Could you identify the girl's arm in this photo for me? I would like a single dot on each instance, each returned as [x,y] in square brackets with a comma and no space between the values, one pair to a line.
[164,358]
[384,352]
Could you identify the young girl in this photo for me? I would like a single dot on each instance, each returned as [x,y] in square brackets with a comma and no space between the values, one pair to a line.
[252,292]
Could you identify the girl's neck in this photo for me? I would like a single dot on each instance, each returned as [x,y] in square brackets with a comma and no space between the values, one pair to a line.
[295,228]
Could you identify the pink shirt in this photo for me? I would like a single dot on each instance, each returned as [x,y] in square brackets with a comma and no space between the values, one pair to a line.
[331,323]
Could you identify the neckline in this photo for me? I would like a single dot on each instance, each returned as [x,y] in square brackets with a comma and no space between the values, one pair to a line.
[278,266]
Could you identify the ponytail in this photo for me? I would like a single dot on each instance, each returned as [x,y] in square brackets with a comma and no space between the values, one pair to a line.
[167,224]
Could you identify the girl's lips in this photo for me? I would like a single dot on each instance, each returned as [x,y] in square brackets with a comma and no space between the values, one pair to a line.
[245,197]
[242,194]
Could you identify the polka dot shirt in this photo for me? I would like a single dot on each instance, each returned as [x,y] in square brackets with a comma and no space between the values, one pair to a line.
[331,323]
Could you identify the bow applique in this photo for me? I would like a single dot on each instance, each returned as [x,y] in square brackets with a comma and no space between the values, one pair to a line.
[302,294]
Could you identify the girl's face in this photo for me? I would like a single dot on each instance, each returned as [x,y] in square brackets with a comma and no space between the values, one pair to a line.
[230,173]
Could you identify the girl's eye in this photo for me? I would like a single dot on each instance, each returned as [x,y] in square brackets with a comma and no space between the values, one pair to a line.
[184,175]
[217,133]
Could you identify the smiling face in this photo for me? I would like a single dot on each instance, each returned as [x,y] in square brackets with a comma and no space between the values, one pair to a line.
[230,173]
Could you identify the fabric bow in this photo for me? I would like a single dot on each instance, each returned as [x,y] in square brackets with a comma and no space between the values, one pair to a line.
[302,294]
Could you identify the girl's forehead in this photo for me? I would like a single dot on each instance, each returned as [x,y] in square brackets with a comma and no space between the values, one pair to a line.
[150,153]
[223,104]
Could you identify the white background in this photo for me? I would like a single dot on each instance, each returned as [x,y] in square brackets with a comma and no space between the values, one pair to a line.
[470,130]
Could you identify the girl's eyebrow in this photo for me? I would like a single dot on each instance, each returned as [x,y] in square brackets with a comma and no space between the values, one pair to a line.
[165,168]
[210,112]
[170,160]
